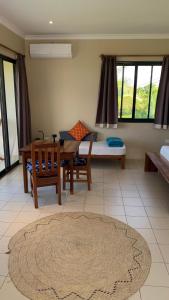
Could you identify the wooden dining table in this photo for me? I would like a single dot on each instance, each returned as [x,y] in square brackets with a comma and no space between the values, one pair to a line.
[67,152]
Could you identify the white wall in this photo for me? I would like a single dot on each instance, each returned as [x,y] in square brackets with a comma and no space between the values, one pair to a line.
[63,91]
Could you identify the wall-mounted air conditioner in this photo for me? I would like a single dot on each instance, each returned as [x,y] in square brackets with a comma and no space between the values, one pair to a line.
[50,50]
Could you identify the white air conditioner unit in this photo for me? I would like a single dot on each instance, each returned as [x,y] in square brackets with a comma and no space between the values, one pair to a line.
[50,50]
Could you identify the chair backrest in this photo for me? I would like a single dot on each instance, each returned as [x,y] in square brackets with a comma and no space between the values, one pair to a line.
[45,156]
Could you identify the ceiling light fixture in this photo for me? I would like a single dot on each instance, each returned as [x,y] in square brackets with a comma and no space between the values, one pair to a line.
[50,22]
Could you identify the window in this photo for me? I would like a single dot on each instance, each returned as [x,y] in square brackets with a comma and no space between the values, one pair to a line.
[137,90]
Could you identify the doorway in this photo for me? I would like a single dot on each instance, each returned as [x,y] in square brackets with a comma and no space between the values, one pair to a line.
[9,152]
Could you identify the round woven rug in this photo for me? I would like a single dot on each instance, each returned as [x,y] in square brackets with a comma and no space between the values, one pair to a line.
[72,256]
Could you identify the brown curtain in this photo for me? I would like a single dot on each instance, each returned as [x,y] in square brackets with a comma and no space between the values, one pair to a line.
[107,110]
[162,106]
[22,100]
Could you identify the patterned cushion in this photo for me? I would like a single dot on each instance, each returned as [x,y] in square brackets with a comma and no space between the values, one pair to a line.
[79,131]
[79,161]
[64,135]
[29,165]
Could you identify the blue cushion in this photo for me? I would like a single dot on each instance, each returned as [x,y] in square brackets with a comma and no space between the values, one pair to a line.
[29,165]
[114,142]
[64,135]
[79,161]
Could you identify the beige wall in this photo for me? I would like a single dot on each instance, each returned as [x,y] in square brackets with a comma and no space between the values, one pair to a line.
[63,91]
[11,40]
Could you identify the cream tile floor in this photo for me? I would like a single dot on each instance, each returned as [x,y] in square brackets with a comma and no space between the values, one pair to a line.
[132,196]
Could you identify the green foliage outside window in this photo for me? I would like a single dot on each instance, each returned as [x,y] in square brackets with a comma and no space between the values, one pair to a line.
[144,91]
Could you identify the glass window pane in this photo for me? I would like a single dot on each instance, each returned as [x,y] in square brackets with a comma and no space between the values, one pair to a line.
[154,89]
[143,92]
[119,85]
[11,111]
[128,91]
[2,162]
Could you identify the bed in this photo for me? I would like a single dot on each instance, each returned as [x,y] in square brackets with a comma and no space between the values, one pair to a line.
[100,149]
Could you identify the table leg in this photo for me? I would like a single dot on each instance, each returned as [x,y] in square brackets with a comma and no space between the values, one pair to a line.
[71,177]
[123,162]
[25,175]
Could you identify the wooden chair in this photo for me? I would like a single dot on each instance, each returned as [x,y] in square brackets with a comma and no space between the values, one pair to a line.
[81,167]
[45,168]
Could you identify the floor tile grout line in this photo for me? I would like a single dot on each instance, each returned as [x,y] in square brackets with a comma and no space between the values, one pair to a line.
[121,184]
[140,294]
[124,207]
[5,277]
[158,286]
[158,245]
[157,241]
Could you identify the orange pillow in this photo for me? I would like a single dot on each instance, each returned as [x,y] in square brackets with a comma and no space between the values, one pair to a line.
[79,131]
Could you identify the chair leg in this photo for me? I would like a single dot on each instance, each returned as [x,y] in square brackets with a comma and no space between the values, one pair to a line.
[90,176]
[71,177]
[31,187]
[56,188]
[64,179]
[59,193]
[77,174]
[35,196]
[88,180]
[123,162]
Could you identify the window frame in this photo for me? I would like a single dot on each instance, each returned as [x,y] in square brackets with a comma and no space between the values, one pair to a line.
[5,132]
[136,64]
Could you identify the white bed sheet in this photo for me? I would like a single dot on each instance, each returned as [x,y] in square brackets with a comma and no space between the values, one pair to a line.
[164,152]
[101,148]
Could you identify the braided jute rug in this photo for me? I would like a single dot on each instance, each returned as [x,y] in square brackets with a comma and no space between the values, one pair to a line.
[78,256]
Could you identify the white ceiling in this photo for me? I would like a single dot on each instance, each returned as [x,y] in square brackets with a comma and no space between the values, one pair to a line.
[87,16]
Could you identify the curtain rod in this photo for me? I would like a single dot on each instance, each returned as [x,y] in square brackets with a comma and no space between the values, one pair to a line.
[9,49]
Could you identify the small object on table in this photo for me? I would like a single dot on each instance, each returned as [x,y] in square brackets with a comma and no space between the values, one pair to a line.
[54,136]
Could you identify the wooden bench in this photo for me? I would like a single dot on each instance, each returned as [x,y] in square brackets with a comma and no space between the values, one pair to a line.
[155,163]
